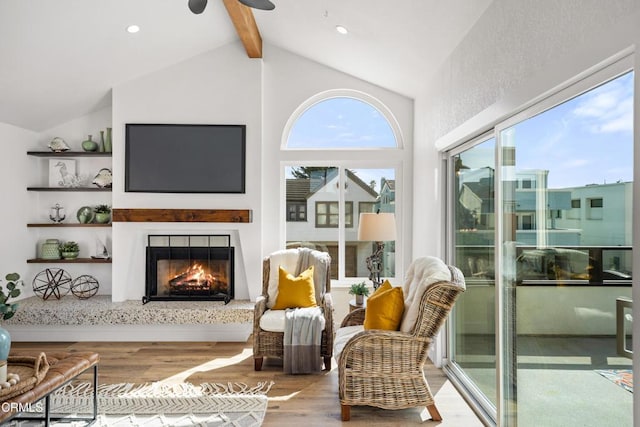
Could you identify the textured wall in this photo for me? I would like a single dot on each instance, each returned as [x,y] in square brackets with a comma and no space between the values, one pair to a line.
[514,42]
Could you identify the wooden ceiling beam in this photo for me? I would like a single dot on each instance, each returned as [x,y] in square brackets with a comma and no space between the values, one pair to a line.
[246,27]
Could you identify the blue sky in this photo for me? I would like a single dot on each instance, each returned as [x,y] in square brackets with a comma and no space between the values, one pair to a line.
[585,140]
[341,123]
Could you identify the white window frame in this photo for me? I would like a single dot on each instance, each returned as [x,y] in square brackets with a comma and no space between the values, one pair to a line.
[348,158]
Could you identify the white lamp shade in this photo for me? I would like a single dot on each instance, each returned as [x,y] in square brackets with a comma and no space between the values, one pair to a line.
[377,227]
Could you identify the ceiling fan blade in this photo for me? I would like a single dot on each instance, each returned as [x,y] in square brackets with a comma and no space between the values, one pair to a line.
[197,6]
[259,4]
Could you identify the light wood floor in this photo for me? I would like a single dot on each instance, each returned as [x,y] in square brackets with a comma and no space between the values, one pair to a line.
[294,400]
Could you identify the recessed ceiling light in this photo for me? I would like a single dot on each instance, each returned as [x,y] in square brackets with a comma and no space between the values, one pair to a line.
[341,29]
[133,29]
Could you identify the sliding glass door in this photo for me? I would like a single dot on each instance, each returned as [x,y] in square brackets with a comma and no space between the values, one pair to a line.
[541,227]
[473,344]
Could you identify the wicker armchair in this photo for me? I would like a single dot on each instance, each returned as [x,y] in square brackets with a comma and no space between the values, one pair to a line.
[270,344]
[385,368]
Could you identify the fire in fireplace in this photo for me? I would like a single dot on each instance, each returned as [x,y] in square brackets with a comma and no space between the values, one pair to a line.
[189,267]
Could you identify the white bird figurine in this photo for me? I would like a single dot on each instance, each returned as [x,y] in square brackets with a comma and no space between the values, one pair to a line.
[103,179]
[58,145]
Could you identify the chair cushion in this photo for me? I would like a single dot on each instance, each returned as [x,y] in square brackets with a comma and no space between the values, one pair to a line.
[287,259]
[273,321]
[343,335]
[384,308]
[423,272]
[294,292]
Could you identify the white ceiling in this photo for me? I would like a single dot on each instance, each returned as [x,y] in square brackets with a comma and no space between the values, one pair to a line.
[60,58]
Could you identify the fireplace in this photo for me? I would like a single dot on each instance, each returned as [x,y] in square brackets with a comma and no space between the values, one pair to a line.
[189,268]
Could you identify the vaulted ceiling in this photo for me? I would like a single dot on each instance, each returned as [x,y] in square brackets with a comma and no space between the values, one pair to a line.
[61,58]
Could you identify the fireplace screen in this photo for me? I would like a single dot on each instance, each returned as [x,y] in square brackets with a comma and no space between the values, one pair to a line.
[189,267]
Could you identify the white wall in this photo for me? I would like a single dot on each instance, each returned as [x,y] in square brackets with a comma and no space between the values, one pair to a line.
[222,86]
[14,175]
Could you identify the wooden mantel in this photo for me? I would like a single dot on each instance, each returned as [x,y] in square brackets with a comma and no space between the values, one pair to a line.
[181,215]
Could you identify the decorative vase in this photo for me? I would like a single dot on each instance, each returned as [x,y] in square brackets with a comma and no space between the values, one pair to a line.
[70,255]
[85,215]
[50,249]
[89,144]
[102,217]
[5,346]
[359,299]
[107,142]
[101,145]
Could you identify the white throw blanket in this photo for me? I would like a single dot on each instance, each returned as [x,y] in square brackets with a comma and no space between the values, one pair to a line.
[320,262]
[302,340]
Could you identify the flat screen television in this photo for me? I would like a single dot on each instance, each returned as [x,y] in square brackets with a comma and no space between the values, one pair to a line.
[185,158]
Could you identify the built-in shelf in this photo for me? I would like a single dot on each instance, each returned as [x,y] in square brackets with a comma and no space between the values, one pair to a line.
[181,215]
[68,154]
[53,225]
[70,261]
[67,189]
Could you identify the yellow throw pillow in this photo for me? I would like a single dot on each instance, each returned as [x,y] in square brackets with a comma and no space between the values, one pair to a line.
[294,292]
[384,308]
[384,287]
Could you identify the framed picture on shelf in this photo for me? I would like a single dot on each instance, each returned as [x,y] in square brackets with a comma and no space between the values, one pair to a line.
[62,172]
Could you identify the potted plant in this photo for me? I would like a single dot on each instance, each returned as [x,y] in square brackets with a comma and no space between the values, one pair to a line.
[69,250]
[13,281]
[103,213]
[360,290]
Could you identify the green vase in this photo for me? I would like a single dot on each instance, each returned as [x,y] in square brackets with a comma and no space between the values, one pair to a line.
[107,142]
[89,144]
[101,145]
[50,249]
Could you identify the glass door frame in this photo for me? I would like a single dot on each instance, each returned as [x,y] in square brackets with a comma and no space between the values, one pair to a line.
[505,412]
[483,407]
[507,401]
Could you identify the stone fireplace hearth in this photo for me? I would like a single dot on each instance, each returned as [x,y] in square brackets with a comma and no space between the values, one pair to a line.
[100,319]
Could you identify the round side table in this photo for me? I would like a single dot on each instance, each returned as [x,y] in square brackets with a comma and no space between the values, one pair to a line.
[354,306]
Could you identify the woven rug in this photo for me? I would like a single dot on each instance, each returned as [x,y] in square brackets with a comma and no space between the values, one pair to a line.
[622,377]
[157,404]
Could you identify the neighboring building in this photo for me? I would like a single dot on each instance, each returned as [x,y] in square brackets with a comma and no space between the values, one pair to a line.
[312,217]
[387,200]
[592,219]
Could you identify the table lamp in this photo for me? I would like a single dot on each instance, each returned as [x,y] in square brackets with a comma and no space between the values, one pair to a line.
[379,228]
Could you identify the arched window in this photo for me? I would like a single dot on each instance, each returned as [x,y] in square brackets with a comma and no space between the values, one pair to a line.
[342,120]
[344,153]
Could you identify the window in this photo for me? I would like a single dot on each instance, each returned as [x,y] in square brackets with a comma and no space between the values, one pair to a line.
[549,270]
[366,207]
[527,222]
[595,211]
[328,202]
[296,211]
[327,214]
[341,186]
[342,122]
